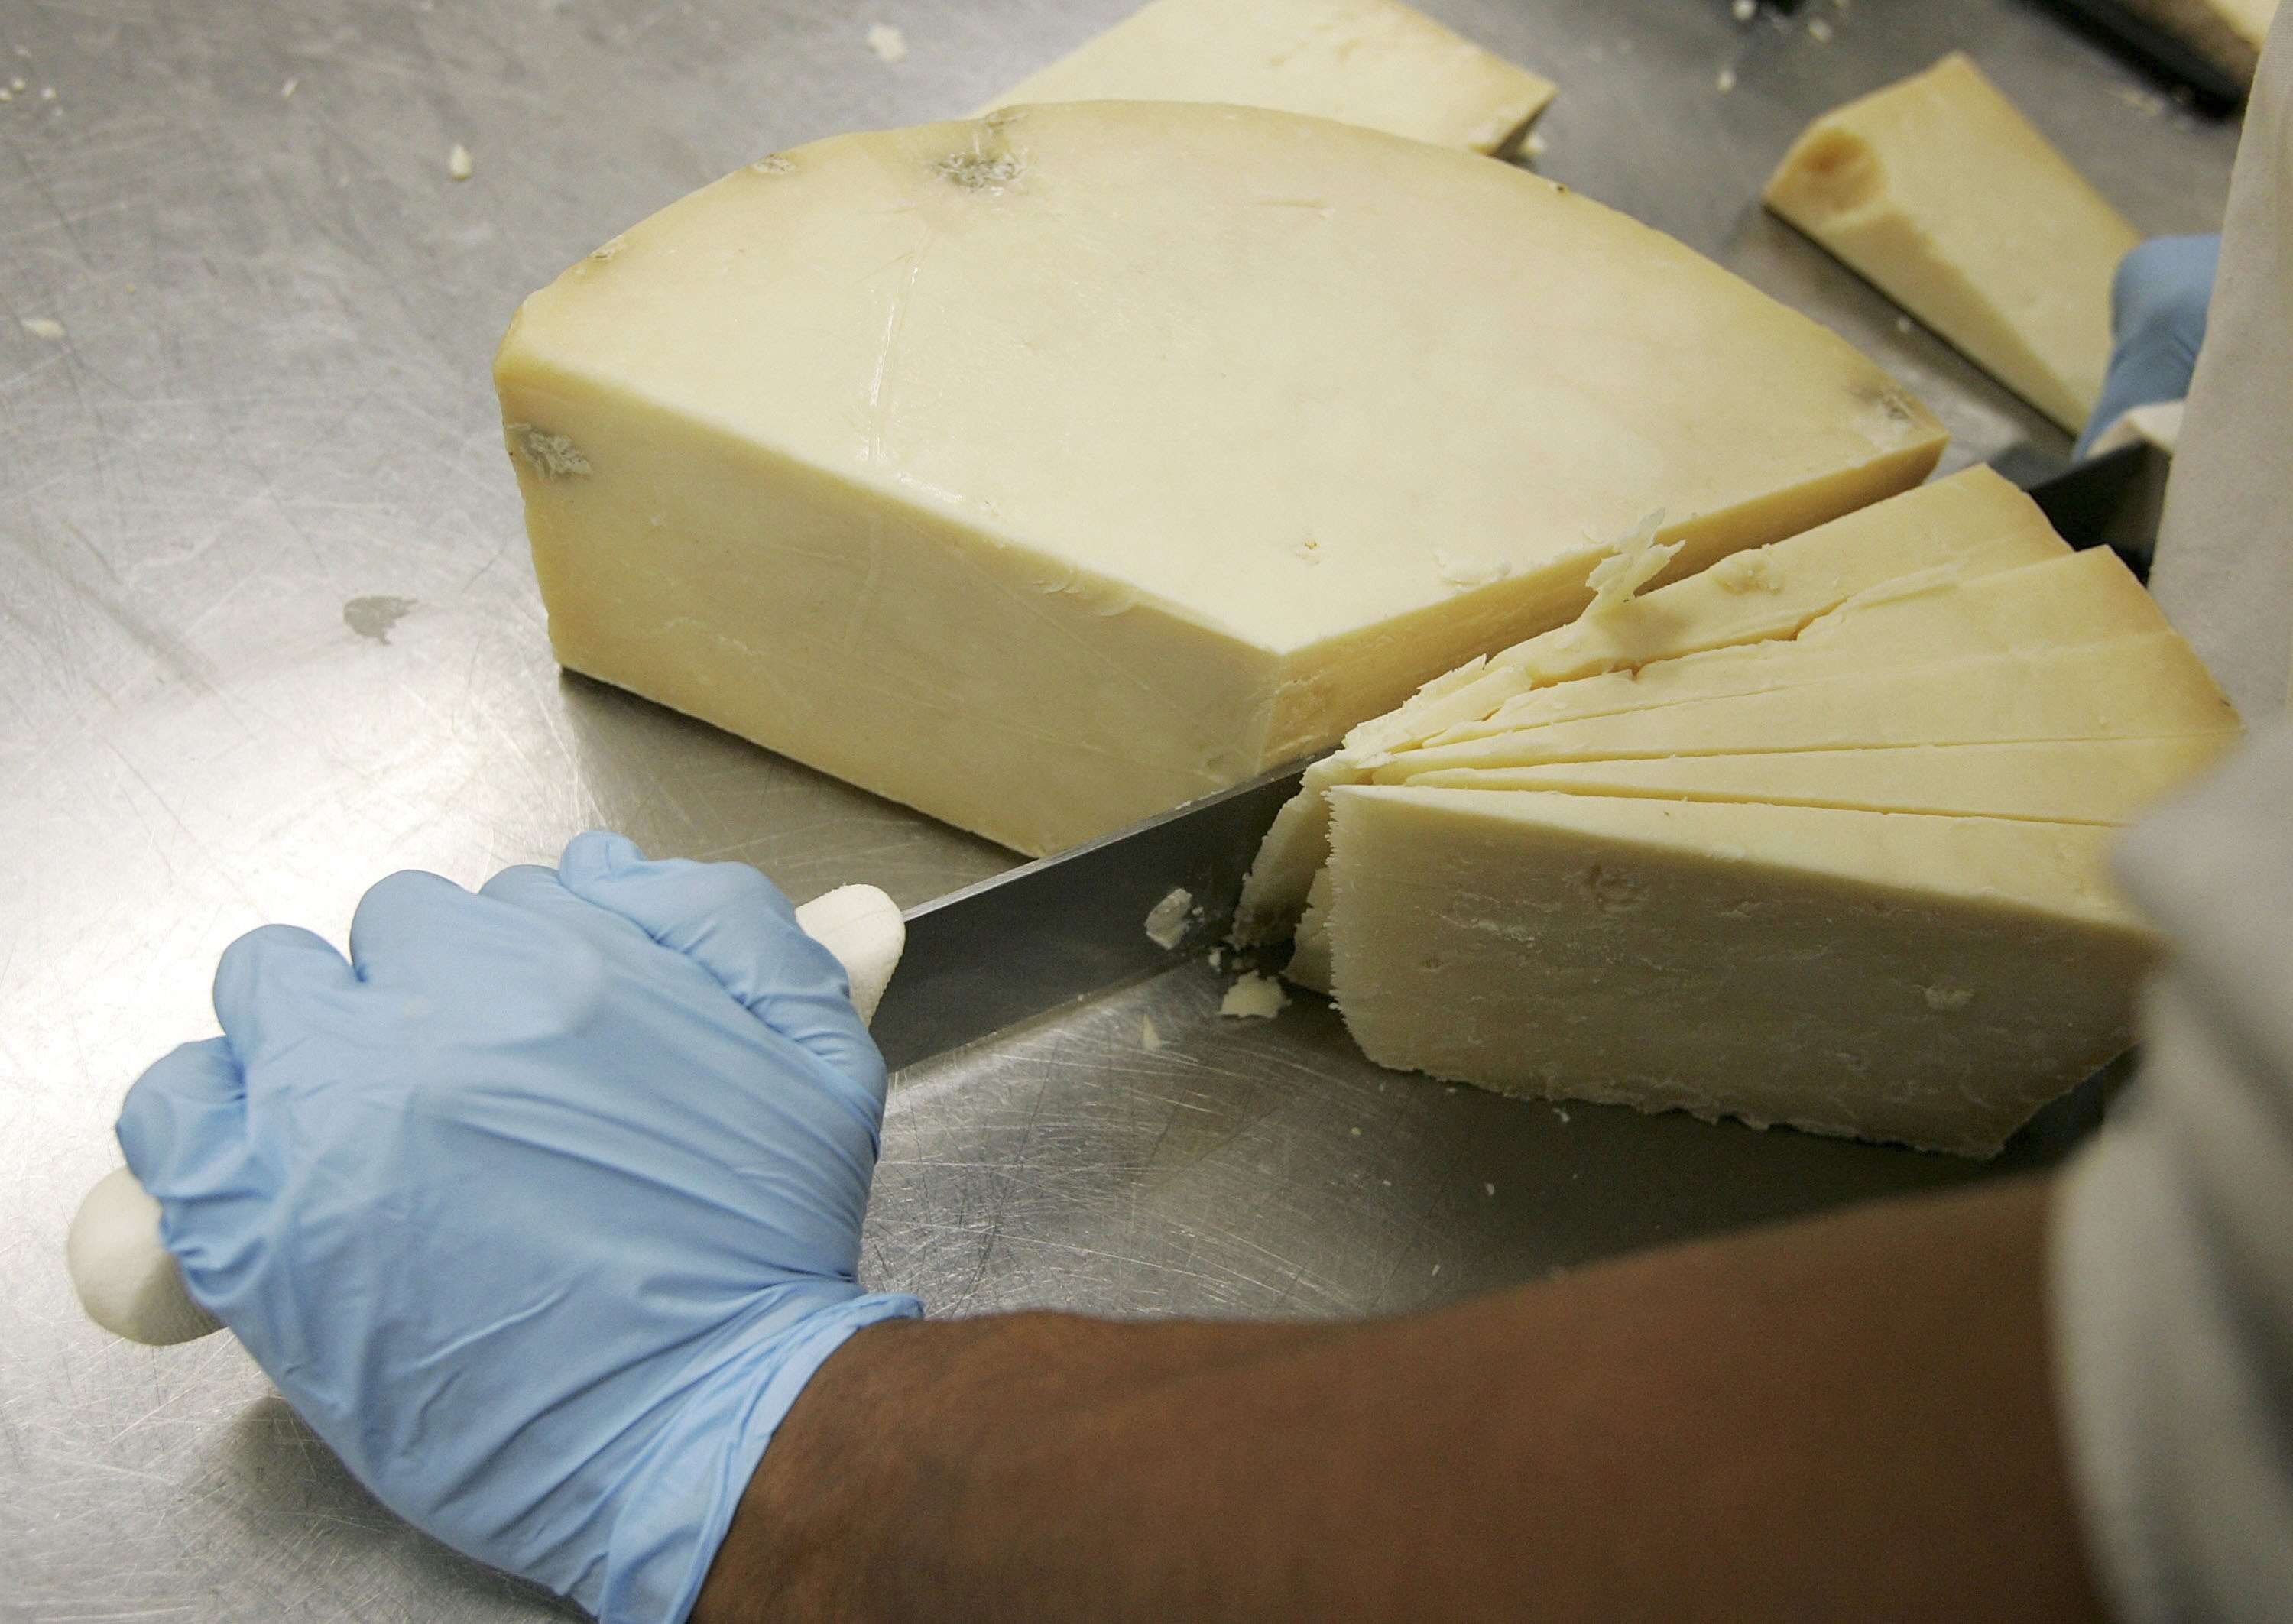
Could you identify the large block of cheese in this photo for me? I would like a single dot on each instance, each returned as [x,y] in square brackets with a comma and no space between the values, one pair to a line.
[1972,524]
[1940,192]
[1372,62]
[1926,980]
[1046,471]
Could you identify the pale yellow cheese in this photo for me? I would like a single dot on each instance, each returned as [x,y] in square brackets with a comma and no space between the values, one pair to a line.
[2081,780]
[1926,980]
[2078,598]
[1942,193]
[2146,687]
[1377,63]
[2227,33]
[1047,470]
[1973,523]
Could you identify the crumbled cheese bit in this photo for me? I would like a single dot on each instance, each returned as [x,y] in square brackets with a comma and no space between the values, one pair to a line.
[458,167]
[1254,998]
[6,95]
[1726,80]
[1631,564]
[888,44]
[1902,324]
[47,92]
[1166,921]
[1746,10]
[1488,1189]
[1150,1040]
[1535,146]
[1466,574]
[287,91]
[1818,30]
[41,327]
[17,83]
[1752,571]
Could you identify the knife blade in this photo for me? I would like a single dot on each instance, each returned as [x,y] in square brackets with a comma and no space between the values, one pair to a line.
[1059,930]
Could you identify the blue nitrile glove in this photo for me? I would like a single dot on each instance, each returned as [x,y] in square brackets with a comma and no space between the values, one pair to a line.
[2158,304]
[541,1209]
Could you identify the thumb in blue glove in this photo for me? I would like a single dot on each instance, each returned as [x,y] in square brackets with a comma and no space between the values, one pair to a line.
[541,1208]
[2158,304]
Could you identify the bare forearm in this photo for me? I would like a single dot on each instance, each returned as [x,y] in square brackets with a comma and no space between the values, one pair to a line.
[1848,1418]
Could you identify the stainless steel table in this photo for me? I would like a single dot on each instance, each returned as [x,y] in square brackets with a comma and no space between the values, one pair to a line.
[267,631]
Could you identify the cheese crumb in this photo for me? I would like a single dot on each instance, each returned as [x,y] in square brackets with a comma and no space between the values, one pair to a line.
[1254,998]
[6,95]
[1166,922]
[41,327]
[1752,571]
[1818,30]
[287,91]
[1488,1189]
[1150,1040]
[1631,564]
[1535,146]
[1746,10]
[458,167]
[47,92]
[888,44]
[1726,81]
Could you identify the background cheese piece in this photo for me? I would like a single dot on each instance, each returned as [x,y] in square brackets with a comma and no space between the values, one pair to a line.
[2227,33]
[1931,980]
[2147,687]
[1377,63]
[1936,190]
[2081,780]
[1935,619]
[1048,471]
[1973,522]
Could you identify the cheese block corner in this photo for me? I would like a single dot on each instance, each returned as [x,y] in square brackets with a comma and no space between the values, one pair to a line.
[1044,470]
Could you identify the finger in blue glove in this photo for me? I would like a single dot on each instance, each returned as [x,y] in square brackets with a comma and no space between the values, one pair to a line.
[2158,305]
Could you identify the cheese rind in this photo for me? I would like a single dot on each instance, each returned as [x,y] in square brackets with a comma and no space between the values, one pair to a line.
[1376,63]
[1973,523]
[2084,781]
[1930,980]
[927,456]
[1938,191]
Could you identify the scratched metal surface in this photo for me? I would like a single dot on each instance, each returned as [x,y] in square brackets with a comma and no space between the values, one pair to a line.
[266,631]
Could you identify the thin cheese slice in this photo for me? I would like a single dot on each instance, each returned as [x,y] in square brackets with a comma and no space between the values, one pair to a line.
[1973,523]
[1939,191]
[2149,687]
[1930,980]
[2080,598]
[2084,781]
[1376,63]
[1047,470]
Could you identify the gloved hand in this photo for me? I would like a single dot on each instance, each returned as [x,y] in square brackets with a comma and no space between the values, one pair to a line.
[542,1208]
[2158,304]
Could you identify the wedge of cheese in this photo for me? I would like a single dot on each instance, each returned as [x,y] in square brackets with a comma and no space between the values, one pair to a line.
[1377,63]
[1971,524]
[1930,980]
[1942,193]
[2080,780]
[1047,470]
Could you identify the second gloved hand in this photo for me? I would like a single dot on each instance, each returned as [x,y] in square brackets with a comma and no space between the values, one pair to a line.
[2158,305]
[541,1208]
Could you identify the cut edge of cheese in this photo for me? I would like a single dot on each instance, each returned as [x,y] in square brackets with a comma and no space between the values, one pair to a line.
[1377,63]
[2108,781]
[1930,981]
[2148,686]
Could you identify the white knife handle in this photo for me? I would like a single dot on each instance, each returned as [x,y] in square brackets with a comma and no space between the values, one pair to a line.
[127,1281]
